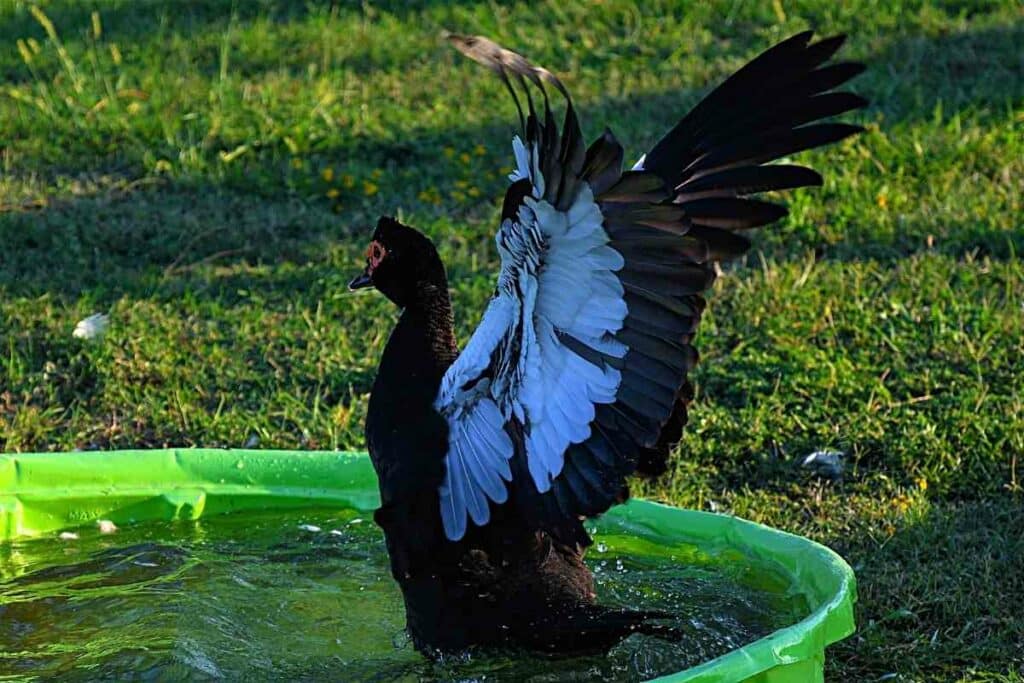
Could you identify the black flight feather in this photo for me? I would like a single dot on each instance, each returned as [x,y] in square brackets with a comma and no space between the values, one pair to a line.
[669,219]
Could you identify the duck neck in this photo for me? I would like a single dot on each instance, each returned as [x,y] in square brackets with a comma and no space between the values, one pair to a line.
[431,319]
[422,345]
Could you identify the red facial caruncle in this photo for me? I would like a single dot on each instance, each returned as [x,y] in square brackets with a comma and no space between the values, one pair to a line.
[375,253]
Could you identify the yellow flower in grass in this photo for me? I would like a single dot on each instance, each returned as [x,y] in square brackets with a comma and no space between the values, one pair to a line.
[479,150]
[473,192]
[348,182]
[464,158]
[449,152]
[430,195]
[882,201]
[922,484]
[327,174]
[901,503]
[462,184]
[369,188]
[377,174]
[296,163]
[333,193]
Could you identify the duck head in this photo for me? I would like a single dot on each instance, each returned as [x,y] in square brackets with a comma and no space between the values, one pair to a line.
[401,263]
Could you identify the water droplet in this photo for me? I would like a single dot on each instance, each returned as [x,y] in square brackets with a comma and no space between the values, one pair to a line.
[602,547]
[239,464]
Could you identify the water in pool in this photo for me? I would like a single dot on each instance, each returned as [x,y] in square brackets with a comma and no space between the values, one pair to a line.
[305,595]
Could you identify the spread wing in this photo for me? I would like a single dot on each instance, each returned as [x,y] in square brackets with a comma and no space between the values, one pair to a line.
[577,374]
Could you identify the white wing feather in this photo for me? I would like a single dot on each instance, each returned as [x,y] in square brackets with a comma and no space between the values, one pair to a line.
[557,277]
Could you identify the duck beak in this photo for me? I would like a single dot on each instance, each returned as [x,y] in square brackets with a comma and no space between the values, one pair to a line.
[361,281]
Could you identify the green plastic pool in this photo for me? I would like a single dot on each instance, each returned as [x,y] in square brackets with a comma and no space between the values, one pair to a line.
[45,492]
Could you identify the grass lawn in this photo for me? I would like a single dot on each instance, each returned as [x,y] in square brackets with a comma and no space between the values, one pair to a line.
[207,172]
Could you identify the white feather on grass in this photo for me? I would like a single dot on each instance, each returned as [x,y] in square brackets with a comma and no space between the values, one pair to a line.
[92,327]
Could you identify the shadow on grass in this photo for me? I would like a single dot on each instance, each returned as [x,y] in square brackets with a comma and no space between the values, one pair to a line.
[940,597]
[139,243]
[110,242]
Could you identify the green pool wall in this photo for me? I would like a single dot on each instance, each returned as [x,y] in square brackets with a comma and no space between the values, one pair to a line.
[43,493]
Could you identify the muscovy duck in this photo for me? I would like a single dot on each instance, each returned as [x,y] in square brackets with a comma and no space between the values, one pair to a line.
[490,460]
